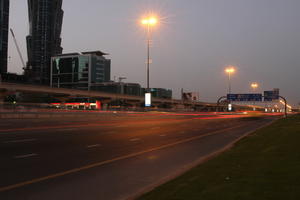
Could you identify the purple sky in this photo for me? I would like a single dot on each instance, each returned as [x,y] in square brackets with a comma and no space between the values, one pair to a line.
[192,45]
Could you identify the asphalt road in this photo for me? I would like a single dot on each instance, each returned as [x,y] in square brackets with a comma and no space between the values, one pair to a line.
[113,156]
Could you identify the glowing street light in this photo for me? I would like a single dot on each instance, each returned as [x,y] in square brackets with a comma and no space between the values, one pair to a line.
[229,70]
[254,86]
[149,22]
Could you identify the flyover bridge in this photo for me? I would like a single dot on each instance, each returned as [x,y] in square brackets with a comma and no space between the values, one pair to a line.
[64,93]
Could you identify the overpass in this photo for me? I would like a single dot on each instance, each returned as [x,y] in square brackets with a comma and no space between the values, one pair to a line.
[63,93]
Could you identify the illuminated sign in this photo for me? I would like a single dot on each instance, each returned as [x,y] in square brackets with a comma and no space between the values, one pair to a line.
[229,107]
[244,97]
[271,95]
[147,99]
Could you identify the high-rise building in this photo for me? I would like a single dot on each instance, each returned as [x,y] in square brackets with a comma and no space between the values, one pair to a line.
[4,21]
[80,71]
[43,41]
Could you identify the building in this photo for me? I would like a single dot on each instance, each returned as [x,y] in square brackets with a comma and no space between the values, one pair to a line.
[43,41]
[161,93]
[4,21]
[133,89]
[190,96]
[80,71]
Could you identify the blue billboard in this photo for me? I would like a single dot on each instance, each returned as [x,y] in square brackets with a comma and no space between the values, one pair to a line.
[244,97]
[271,95]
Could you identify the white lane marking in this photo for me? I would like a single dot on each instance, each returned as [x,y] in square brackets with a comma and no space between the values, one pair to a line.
[20,141]
[111,132]
[67,129]
[153,128]
[93,146]
[122,126]
[26,155]
[182,132]
[105,162]
[134,139]
[163,135]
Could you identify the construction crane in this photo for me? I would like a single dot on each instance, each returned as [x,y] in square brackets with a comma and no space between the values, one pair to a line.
[18,49]
[121,79]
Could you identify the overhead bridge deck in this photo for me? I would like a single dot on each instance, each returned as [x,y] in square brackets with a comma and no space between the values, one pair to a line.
[14,87]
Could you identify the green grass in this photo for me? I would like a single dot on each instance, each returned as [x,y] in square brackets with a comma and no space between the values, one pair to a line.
[265,165]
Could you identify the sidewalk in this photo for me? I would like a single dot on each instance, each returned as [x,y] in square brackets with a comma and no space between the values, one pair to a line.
[265,165]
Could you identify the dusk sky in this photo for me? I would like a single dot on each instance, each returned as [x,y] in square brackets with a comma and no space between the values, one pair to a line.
[194,42]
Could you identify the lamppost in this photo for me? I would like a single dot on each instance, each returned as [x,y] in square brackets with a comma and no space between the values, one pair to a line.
[254,86]
[149,22]
[229,70]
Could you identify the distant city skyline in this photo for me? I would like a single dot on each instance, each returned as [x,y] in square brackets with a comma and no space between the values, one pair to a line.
[191,47]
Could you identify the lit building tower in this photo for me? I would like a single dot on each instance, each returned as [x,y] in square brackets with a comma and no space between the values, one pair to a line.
[43,41]
[4,20]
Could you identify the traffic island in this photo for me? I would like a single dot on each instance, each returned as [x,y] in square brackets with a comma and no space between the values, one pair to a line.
[264,165]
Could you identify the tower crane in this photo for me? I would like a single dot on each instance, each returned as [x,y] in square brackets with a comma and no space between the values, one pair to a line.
[121,78]
[18,49]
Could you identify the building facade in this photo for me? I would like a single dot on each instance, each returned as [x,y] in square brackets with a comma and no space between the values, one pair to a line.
[4,26]
[43,41]
[161,93]
[80,71]
[133,89]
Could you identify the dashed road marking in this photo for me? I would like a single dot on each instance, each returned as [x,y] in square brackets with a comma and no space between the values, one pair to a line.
[154,128]
[26,155]
[163,135]
[122,126]
[134,139]
[86,167]
[67,129]
[93,146]
[20,141]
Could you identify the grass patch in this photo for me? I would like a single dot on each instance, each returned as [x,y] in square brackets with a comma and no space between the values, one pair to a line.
[265,165]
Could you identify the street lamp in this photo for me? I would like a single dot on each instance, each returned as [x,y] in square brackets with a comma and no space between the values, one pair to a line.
[229,70]
[254,86]
[149,22]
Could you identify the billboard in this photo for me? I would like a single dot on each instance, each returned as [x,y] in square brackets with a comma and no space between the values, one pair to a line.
[147,99]
[244,97]
[271,95]
[190,96]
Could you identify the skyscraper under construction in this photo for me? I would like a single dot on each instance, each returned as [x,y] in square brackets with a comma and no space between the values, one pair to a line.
[4,19]
[44,40]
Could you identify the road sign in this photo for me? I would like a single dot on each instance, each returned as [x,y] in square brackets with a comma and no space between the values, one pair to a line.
[271,95]
[244,97]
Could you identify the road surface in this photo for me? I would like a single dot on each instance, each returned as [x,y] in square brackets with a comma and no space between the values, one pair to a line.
[114,156]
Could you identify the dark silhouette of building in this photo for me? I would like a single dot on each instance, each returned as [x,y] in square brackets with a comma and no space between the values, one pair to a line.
[119,88]
[43,41]
[80,71]
[4,21]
